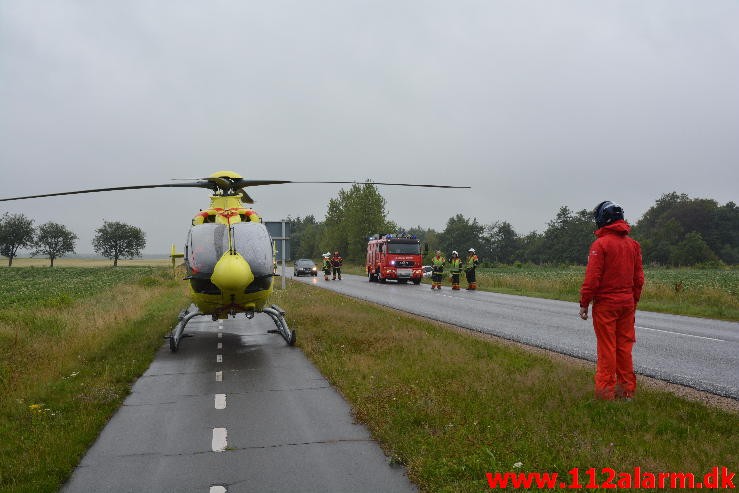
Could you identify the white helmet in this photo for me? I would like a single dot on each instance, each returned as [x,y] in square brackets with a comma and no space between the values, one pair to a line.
[454,252]
[471,250]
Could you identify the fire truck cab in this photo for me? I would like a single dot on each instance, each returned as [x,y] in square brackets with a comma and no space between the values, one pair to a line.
[396,257]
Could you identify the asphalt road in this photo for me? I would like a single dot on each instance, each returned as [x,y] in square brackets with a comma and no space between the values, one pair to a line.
[699,353]
[237,410]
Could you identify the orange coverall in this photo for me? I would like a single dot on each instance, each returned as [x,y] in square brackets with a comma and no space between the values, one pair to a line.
[613,282]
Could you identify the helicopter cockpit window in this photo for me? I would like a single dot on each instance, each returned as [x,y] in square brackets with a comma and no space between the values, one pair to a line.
[205,246]
[253,242]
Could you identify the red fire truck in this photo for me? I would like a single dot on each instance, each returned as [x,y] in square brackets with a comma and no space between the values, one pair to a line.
[396,257]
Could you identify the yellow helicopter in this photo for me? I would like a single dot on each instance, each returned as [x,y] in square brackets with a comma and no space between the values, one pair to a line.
[228,255]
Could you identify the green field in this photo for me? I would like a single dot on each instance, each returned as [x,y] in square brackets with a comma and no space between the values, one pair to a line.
[42,287]
[72,341]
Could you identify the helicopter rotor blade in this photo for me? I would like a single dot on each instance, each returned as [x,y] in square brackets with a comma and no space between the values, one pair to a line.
[198,184]
[227,186]
[254,183]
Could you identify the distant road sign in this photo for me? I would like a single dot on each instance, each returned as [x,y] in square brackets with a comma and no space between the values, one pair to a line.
[280,232]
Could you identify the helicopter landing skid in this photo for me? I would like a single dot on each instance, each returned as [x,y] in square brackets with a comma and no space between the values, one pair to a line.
[278,317]
[176,334]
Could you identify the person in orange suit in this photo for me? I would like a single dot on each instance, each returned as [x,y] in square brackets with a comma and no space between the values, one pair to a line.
[613,283]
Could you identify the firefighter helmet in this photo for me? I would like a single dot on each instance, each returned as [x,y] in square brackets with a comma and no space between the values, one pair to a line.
[454,252]
[607,212]
[471,250]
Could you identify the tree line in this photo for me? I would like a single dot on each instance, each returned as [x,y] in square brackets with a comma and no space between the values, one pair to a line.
[676,231]
[113,240]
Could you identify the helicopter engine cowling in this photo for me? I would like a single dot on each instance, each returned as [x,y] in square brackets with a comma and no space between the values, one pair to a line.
[207,244]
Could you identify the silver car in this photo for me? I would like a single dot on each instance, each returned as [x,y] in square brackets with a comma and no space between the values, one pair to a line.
[305,267]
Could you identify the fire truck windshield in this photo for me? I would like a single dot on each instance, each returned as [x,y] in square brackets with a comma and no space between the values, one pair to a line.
[404,248]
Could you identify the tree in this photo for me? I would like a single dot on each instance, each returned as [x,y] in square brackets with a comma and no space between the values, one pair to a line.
[16,231]
[533,248]
[667,224]
[692,250]
[568,237]
[505,245]
[116,240]
[54,240]
[305,237]
[461,234]
[352,217]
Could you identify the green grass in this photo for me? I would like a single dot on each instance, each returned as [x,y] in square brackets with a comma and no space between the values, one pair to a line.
[36,286]
[451,407]
[709,293]
[448,406]
[70,348]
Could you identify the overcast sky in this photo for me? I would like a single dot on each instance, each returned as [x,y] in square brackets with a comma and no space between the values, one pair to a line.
[535,104]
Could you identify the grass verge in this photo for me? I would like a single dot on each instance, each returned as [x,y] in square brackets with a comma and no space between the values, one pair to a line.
[451,407]
[66,366]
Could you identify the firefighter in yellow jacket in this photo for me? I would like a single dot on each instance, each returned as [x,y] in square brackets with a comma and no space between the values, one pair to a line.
[455,269]
[437,272]
[326,266]
[469,269]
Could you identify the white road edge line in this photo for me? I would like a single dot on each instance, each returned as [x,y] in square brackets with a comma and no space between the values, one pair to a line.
[680,334]
[219,442]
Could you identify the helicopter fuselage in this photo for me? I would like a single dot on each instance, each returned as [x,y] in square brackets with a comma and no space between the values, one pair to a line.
[229,259]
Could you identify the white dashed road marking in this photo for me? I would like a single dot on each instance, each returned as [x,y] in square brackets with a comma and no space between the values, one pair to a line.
[220,345]
[218,489]
[680,334]
[219,442]
[219,358]
[220,401]
[219,376]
